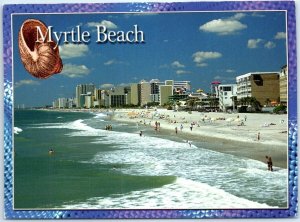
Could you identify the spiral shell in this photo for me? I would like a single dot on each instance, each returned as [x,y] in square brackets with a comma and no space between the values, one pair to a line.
[40,59]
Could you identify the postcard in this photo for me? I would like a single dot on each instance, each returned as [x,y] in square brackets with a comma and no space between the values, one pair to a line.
[150,110]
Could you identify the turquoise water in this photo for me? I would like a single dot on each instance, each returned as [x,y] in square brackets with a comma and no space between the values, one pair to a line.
[93,168]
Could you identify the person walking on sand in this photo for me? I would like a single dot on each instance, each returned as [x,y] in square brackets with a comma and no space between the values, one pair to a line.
[191,127]
[245,118]
[176,131]
[141,133]
[181,127]
[258,136]
[270,163]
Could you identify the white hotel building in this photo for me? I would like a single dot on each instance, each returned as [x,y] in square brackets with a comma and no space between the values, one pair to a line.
[227,95]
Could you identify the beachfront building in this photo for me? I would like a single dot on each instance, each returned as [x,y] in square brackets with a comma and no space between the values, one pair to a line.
[181,87]
[135,96]
[104,101]
[227,94]
[70,103]
[83,89]
[264,86]
[97,97]
[154,90]
[165,91]
[88,100]
[214,89]
[145,92]
[118,96]
[55,104]
[62,103]
[173,90]
[283,87]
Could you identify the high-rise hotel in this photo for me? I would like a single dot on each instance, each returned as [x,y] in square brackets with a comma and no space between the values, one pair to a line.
[83,91]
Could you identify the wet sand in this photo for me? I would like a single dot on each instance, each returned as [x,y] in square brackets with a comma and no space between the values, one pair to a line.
[218,134]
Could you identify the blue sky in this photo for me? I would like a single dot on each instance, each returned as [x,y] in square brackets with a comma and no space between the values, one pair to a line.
[200,47]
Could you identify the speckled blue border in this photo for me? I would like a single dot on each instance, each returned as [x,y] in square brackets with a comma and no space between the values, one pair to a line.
[289,6]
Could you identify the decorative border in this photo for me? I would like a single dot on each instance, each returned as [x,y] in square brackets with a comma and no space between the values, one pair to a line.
[289,6]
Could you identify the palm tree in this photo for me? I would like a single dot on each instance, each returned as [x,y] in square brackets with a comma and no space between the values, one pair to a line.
[250,101]
[191,102]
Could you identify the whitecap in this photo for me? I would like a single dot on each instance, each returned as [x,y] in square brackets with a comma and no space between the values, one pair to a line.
[17,130]
[182,194]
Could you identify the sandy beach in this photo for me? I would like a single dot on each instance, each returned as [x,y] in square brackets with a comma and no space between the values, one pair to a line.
[235,134]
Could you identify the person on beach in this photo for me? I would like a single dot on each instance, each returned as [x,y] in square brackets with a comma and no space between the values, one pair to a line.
[191,127]
[245,118]
[258,136]
[141,133]
[189,142]
[270,163]
[181,127]
[176,131]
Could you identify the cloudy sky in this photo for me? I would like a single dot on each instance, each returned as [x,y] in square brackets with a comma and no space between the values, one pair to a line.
[199,47]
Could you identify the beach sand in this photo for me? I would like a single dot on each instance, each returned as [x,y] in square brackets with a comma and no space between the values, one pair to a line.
[235,134]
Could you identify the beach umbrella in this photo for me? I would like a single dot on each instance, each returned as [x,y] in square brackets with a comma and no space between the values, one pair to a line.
[131,114]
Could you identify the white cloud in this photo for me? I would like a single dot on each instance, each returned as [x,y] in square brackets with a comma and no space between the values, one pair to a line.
[114,61]
[26,82]
[177,64]
[179,72]
[75,71]
[107,86]
[109,62]
[225,26]
[68,51]
[106,23]
[280,35]
[200,57]
[254,43]
[270,45]
[230,70]
[217,78]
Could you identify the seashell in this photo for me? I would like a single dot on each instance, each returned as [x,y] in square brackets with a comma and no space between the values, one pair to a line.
[40,59]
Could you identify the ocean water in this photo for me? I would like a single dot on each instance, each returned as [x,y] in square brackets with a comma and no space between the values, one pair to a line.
[93,168]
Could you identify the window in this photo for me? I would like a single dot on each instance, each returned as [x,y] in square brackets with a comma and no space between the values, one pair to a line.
[227,88]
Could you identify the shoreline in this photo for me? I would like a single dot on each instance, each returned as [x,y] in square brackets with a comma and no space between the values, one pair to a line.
[214,131]
[219,136]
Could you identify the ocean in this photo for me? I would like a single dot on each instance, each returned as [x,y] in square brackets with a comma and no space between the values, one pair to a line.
[94,168]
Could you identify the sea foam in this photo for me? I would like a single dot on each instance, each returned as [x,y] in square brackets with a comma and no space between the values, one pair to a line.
[183,194]
[17,130]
